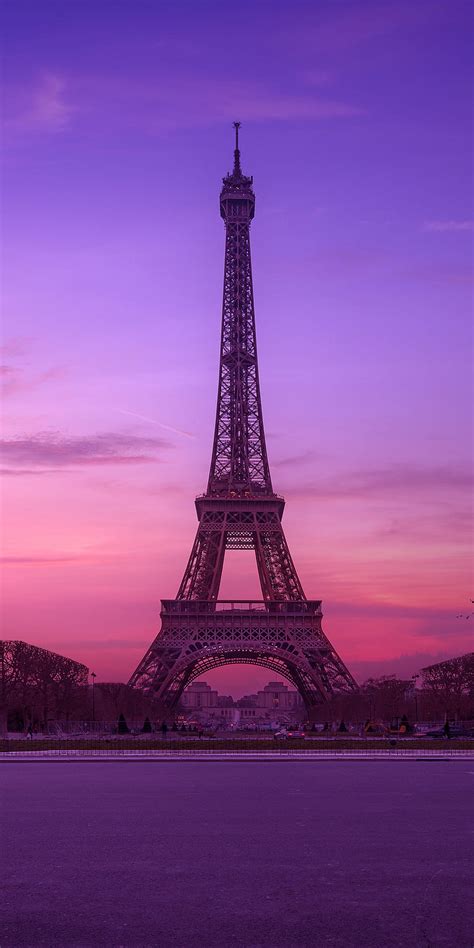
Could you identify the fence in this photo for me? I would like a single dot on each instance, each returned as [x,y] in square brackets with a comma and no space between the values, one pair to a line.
[129,749]
[208,755]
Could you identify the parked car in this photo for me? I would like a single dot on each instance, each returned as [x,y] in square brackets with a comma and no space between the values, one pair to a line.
[285,733]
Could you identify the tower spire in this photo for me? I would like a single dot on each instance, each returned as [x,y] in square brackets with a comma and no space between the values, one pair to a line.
[237,168]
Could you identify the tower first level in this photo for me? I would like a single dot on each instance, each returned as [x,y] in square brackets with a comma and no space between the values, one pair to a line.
[285,637]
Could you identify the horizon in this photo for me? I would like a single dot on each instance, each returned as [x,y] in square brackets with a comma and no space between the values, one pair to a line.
[113,280]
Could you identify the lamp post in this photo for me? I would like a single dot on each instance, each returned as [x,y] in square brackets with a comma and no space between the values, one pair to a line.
[93,676]
[414,679]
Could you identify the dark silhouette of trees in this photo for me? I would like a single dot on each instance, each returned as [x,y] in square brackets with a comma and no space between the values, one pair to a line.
[36,684]
[113,697]
[387,697]
[448,687]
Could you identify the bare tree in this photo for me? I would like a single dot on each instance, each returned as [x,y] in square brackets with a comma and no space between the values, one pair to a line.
[449,686]
[36,683]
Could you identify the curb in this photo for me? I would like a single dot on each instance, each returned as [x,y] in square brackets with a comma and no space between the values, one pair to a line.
[228,758]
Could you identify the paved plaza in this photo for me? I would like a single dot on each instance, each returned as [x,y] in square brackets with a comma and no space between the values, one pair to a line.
[259,854]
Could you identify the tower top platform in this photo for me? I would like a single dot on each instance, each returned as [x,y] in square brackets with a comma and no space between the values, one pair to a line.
[237,187]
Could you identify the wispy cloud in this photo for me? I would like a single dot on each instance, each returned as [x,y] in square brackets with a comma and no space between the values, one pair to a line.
[400,479]
[15,380]
[450,226]
[41,107]
[39,560]
[454,523]
[53,450]
[374,608]
[15,346]
[28,471]
[295,460]
[153,421]
[194,101]
[403,666]
[97,643]
[339,28]
[172,101]
[436,272]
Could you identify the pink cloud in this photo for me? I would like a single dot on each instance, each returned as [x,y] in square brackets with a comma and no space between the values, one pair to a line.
[296,460]
[14,381]
[38,560]
[404,666]
[28,471]
[47,449]
[394,480]
[455,522]
[15,346]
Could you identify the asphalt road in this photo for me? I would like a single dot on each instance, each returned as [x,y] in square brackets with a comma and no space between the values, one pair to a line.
[336,853]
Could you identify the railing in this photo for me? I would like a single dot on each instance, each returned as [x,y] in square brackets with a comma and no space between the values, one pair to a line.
[236,753]
[208,607]
[242,495]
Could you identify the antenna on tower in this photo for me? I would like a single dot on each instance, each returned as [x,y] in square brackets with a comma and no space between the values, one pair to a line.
[237,168]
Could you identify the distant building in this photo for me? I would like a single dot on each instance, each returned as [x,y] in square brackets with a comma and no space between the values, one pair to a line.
[277,696]
[274,703]
[198,696]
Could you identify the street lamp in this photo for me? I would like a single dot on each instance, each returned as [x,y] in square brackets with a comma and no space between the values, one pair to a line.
[93,676]
[414,679]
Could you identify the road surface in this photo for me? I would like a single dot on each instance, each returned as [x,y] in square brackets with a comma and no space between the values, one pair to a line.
[261,855]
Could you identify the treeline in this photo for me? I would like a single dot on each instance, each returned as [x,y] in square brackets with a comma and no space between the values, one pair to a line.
[36,684]
[439,691]
[38,687]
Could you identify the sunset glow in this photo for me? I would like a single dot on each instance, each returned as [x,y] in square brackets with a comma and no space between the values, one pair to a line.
[116,144]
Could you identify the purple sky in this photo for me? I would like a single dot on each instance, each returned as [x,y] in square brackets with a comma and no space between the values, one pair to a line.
[356,127]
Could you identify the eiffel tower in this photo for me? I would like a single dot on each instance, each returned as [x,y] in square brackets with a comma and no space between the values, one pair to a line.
[240,511]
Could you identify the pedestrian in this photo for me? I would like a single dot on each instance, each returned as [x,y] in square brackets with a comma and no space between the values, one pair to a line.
[447,729]
[164,729]
[29,732]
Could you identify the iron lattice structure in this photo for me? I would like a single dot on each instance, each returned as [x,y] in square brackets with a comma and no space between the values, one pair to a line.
[240,511]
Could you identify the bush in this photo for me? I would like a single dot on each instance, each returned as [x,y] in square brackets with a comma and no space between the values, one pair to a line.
[122,726]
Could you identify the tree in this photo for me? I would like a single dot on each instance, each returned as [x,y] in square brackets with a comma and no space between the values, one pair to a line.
[114,696]
[36,683]
[449,686]
[122,726]
[387,696]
